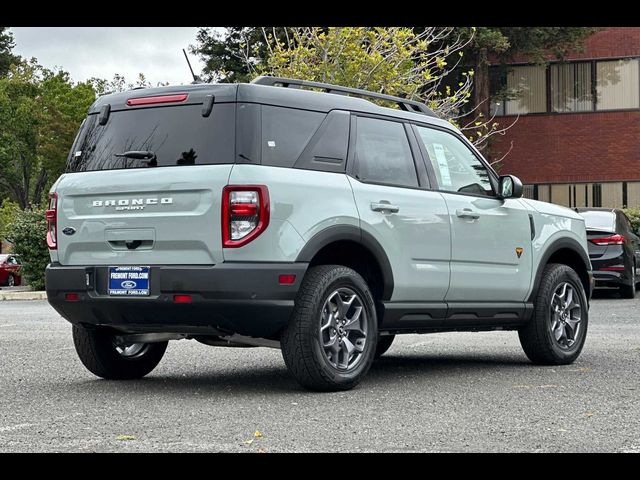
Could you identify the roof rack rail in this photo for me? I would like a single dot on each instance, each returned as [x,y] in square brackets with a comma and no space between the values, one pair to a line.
[403,103]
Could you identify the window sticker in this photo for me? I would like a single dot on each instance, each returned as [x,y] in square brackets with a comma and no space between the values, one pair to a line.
[441,159]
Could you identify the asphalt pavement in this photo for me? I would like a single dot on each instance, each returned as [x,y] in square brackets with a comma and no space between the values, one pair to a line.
[447,392]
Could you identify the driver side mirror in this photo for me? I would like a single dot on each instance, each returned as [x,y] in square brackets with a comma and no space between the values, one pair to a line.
[510,187]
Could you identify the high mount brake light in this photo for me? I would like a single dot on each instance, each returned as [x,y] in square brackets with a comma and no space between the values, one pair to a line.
[174,98]
[245,213]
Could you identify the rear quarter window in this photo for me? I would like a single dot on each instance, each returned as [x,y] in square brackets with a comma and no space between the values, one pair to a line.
[285,134]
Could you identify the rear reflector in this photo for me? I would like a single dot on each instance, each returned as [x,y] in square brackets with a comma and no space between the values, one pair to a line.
[176,98]
[614,268]
[610,240]
[72,297]
[182,299]
[286,279]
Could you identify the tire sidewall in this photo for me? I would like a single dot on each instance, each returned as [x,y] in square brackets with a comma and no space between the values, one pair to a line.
[573,352]
[11,281]
[356,283]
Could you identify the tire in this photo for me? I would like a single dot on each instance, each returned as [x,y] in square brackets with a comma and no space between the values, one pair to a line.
[99,354]
[311,343]
[537,339]
[629,291]
[384,343]
[11,281]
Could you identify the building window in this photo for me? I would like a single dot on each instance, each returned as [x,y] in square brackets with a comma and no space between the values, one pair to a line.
[520,91]
[617,84]
[571,87]
[526,90]
[597,195]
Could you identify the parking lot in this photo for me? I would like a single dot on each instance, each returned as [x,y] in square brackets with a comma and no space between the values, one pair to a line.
[442,392]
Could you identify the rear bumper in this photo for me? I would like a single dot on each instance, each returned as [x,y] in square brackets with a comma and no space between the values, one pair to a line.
[611,278]
[243,298]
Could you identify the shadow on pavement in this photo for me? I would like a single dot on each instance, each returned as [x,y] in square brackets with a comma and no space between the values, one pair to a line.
[389,371]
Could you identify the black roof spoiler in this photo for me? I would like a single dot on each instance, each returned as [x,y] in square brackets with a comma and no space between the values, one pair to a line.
[403,103]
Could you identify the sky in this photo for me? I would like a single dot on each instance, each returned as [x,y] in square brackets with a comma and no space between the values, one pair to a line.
[87,52]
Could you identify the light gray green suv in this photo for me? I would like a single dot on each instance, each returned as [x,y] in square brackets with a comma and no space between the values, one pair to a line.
[318,222]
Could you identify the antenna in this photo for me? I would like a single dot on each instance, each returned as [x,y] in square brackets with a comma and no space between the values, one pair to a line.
[196,79]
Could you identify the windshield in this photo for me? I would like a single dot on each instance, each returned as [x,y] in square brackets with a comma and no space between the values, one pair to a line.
[177,135]
[599,220]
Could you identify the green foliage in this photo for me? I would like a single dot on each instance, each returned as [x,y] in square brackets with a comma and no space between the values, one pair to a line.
[119,83]
[8,212]
[40,112]
[634,217]
[27,233]
[392,60]
[6,45]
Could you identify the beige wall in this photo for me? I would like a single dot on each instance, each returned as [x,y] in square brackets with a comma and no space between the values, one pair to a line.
[574,195]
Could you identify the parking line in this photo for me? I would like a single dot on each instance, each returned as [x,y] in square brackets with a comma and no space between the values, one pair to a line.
[8,325]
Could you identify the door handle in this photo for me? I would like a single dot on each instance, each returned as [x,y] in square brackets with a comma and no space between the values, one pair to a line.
[384,206]
[467,213]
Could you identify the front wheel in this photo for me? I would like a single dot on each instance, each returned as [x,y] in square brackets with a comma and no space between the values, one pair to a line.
[557,332]
[332,335]
[11,281]
[107,357]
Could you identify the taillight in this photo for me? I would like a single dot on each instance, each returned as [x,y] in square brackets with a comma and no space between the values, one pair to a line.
[52,222]
[611,240]
[245,213]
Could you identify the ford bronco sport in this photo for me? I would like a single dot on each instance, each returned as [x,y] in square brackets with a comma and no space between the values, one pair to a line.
[300,216]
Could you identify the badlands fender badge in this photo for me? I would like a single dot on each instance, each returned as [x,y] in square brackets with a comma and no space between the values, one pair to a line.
[519,251]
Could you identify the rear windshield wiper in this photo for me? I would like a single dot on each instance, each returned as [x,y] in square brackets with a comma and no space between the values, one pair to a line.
[148,155]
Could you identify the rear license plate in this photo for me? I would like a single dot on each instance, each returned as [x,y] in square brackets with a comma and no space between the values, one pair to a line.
[129,281]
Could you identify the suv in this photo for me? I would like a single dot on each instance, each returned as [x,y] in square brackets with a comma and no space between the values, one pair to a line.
[318,222]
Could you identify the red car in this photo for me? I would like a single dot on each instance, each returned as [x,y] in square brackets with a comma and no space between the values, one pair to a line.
[10,270]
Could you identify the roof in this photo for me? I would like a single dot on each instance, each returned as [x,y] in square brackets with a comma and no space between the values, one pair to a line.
[270,95]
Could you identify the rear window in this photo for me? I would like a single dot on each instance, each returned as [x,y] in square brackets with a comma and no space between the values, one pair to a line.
[177,135]
[599,220]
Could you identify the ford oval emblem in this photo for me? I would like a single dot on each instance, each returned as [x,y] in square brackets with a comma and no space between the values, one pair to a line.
[128,284]
[68,230]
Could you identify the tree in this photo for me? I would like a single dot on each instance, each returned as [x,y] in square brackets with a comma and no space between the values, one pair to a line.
[503,44]
[391,60]
[119,83]
[6,45]
[40,112]
[233,56]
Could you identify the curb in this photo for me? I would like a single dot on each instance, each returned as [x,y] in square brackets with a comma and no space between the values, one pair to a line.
[41,295]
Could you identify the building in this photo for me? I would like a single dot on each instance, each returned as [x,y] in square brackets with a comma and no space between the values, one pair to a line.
[576,141]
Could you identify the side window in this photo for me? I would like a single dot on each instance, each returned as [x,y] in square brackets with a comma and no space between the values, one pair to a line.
[383,154]
[285,133]
[457,168]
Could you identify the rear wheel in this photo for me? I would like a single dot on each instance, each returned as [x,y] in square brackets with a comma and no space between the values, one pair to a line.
[107,357]
[384,343]
[557,332]
[629,291]
[332,335]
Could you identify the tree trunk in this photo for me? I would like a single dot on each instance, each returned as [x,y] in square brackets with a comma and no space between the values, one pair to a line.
[481,86]
[40,184]
[481,82]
